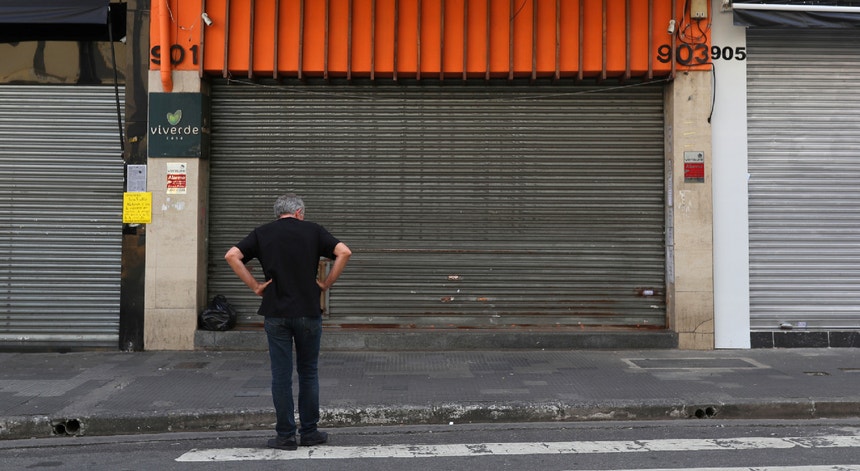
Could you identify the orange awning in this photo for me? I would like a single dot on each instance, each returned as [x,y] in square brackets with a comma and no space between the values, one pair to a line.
[441,39]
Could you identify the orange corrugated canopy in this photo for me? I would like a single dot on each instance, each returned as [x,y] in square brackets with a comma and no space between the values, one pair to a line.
[440,39]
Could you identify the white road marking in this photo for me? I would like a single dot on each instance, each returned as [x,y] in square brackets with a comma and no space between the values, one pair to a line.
[500,449]
[836,467]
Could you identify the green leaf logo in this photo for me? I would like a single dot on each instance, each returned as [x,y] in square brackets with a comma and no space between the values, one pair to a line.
[174,118]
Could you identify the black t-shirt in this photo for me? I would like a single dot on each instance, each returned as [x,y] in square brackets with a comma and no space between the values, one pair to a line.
[289,251]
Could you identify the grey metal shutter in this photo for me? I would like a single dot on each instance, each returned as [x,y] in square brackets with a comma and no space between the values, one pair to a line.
[61,184]
[804,189]
[466,206]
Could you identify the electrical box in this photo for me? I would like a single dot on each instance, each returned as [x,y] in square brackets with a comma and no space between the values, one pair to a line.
[698,9]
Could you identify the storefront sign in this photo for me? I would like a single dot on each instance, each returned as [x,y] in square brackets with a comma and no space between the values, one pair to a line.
[176,125]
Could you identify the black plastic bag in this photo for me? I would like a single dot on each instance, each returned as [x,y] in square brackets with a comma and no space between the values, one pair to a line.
[219,315]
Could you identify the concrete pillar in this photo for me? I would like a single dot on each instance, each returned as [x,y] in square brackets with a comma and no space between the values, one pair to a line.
[690,283]
[176,250]
[731,195]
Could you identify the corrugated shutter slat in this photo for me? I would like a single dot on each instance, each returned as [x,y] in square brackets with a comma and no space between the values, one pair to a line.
[61,184]
[464,205]
[804,129]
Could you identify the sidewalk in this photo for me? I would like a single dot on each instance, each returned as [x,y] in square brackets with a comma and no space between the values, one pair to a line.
[50,394]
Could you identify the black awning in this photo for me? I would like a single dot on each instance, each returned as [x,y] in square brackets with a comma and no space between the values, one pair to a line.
[54,12]
[797,13]
[61,20]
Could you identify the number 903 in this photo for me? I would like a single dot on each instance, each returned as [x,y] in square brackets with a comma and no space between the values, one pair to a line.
[695,54]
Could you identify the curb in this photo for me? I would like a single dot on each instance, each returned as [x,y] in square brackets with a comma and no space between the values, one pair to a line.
[17,428]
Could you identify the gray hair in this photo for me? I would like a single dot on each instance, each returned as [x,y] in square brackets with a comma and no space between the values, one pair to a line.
[288,204]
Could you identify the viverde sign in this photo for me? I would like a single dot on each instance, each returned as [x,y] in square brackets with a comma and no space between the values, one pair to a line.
[176,125]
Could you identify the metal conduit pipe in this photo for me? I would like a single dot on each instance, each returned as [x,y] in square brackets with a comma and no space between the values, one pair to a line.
[674,42]
[201,44]
[164,35]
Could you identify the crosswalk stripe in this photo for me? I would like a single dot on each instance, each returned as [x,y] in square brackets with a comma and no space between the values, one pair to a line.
[835,467]
[501,449]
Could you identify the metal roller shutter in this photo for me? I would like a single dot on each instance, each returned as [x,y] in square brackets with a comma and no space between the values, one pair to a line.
[61,184]
[804,190]
[466,206]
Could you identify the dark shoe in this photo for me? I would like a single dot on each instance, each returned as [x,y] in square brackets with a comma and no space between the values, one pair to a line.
[282,443]
[314,438]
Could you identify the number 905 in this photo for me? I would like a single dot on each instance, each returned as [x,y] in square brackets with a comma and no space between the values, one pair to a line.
[727,53]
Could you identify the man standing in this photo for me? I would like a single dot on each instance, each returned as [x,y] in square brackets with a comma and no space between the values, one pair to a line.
[289,250]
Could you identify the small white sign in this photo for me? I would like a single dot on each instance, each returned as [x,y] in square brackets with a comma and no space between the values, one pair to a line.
[136,178]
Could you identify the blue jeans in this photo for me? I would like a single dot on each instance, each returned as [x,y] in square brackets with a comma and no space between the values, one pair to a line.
[306,333]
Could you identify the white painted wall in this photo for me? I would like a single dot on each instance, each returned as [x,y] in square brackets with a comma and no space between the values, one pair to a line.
[731,213]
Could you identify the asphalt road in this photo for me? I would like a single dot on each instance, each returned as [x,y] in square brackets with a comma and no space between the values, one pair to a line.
[777,445]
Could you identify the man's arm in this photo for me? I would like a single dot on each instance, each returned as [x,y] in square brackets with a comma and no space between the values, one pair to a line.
[341,254]
[234,258]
